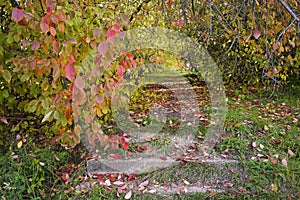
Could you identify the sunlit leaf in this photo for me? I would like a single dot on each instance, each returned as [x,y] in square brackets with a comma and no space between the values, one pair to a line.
[102,48]
[44,27]
[110,35]
[117,27]
[17,14]
[70,71]
[120,71]
[20,143]
[47,116]
[256,34]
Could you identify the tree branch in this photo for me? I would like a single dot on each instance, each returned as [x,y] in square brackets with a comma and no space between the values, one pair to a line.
[289,10]
[138,10]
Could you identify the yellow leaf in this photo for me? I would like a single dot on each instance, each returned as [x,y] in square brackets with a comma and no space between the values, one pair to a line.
[274,187]
[19,145]
[266,128]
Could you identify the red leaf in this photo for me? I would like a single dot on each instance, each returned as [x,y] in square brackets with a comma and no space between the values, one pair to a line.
[44,27]
[99,177]
[131,176]
[117,27]
[52,31]
[129,56]
[71,59]
[35,45]
[110,35]
[181,23]
[102,48]
[70,71]
[133,63]
[54,19]
[49,11]
[163,158]
[65,177]
[116,156]
[17,14]
[125,146]
[170,3]
[256,34]
[120,71]
[273,160]
[227,135]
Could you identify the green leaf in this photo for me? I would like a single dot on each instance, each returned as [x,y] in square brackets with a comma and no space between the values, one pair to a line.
[10,39]
[47,116]
[5,93]
[6,75]
[32,106]
[25,77]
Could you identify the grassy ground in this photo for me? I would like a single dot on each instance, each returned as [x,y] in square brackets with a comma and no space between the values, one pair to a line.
[261,133]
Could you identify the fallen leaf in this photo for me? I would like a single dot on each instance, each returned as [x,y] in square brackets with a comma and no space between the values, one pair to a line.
[152,191]
[163,157]
[116,156]
[144,184]
[186,182]
[182,189]
[284,162]
[128,195]
[261,146]
[228,185]
[108,182]
[99,177]
[19,145]
[118,183]
[273,160]
[290,152]
[4,120]
[256,34]
[131,176]
[274,187]
[266,128]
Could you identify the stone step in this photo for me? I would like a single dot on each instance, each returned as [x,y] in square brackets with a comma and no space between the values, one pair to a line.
[214,174]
